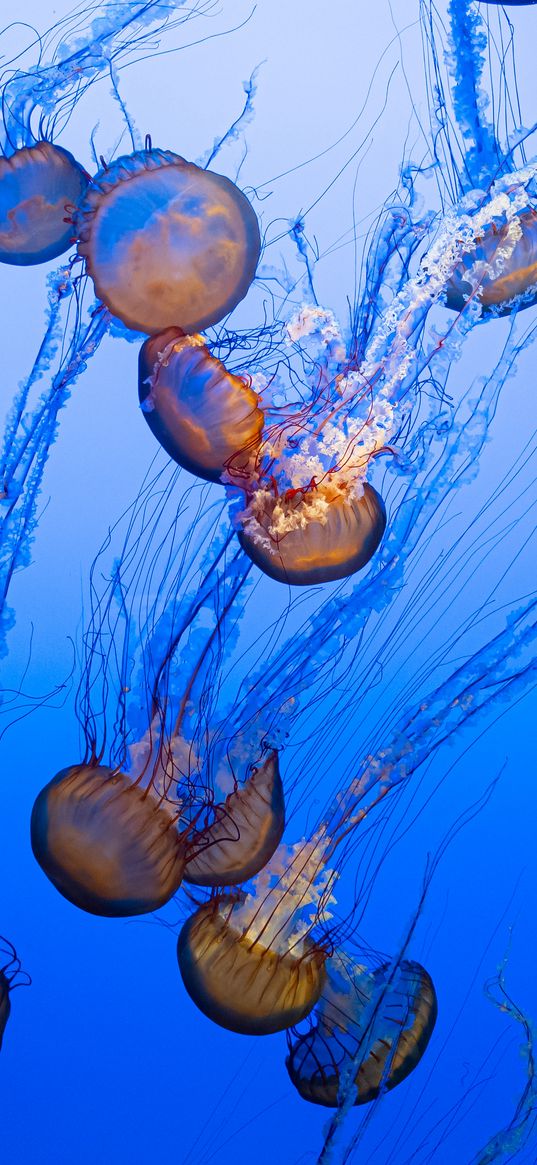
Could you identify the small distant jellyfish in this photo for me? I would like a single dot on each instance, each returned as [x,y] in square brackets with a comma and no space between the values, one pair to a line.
[375,1024]
[5,1005]
[313,536]
[516,278]
[247,829]
[11,976]
[110,846]
[207,419]
[166,243]
[40,187]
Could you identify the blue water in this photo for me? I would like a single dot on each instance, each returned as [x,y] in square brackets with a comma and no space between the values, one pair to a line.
[105,1058]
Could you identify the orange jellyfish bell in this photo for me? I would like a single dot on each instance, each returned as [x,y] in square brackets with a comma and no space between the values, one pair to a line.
[166,243]
[379,1023]
[247,828]
[517,274]
[241,983]
[205,418]
[40,186]
[108,845]
[312,537]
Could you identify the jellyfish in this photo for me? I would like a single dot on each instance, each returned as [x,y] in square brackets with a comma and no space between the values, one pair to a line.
[119,839]
[116,847]
[106,844]
[39,187]
[254,961]
[5,1006]
[313,536]
[245,833]
[207,419]
[247,962]
[382,1018]
[212,827]
[166,243]
[514,244]
[11,976]
[499,268]
[306,511]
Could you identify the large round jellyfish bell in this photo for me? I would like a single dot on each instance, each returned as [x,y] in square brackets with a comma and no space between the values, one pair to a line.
[377,1023]
[207,419]
[241,982]
[515,281]
[312,537]
[40,186]
[244,833]
[108,845]
[166,243]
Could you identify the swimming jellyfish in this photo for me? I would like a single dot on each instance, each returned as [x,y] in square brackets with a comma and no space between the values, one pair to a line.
[381,1020]
[108,845]
[11,976]
[254,961]
[207,419]
[40,186]
[499,267]
[118,839]
[245,832]
[166,243]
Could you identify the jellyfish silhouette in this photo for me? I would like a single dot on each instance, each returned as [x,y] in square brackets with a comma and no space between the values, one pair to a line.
[11,976]
[166,243]
[245,832]
[383,1019]
[5,1006]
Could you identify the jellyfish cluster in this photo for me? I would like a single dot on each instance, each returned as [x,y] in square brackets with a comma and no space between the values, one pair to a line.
[305,453]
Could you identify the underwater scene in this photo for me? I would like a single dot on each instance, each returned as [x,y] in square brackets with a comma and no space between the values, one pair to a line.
[268,586]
